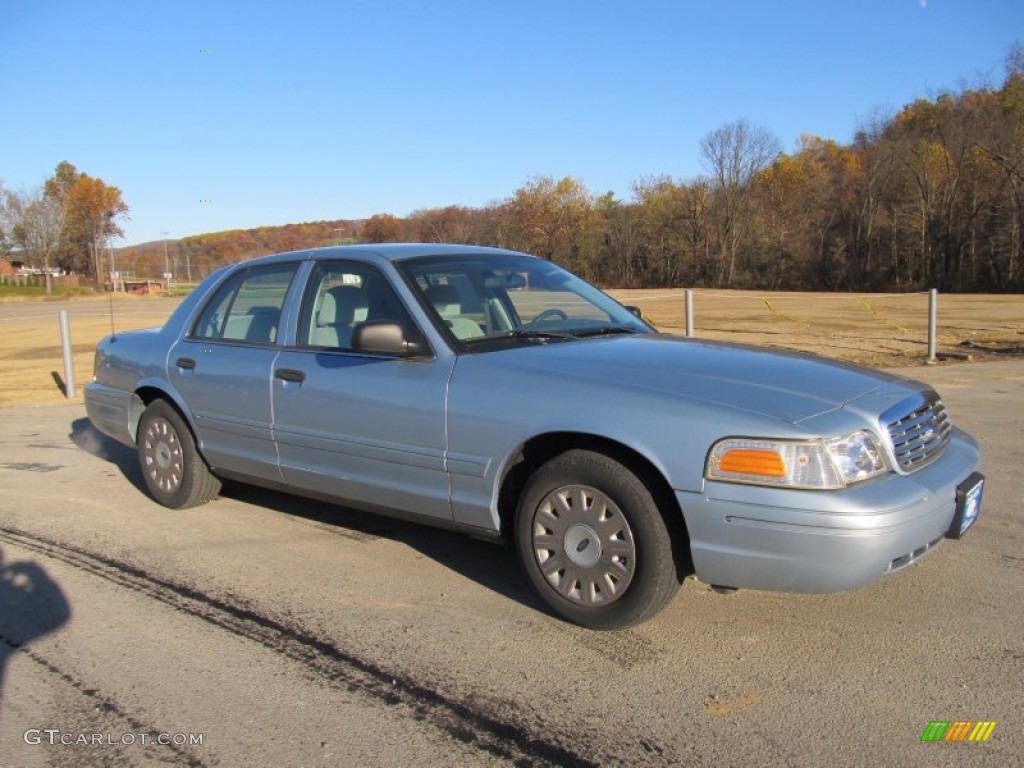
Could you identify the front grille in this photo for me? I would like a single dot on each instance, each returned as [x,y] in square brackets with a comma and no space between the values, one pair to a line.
[920,436]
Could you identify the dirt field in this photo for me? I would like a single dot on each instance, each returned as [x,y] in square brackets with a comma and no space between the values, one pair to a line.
[874,329]
[878,330]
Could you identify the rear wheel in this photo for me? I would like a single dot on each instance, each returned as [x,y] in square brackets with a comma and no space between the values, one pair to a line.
[594,543]
[172,468]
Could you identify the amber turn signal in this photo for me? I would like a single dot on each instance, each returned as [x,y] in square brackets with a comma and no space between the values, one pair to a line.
[750,461]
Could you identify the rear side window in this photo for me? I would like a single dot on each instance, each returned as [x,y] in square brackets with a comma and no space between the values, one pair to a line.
[248,306]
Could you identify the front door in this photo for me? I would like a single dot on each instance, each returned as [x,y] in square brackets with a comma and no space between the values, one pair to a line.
[367,428]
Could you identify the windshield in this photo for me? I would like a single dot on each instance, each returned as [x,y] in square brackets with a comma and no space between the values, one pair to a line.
[487,300]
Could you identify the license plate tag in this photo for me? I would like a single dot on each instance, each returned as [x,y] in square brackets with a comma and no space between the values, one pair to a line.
[968,504]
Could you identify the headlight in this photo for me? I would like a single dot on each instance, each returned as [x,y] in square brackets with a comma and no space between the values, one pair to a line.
[857,456]
[823,464]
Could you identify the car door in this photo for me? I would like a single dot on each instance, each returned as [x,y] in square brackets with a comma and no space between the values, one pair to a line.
[366,428]
[222,369]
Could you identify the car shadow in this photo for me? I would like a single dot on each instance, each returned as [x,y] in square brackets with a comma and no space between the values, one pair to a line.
[494,566]
[92,441]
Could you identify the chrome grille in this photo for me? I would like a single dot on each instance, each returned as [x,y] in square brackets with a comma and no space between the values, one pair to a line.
[920,436]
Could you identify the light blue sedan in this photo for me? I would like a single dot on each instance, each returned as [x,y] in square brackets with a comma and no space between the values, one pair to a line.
[495,393]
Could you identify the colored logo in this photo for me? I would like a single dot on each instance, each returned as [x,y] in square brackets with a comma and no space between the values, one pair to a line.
[958,730]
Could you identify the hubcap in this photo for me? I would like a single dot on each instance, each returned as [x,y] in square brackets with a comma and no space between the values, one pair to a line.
[584,545]
[163,455]
[162,459]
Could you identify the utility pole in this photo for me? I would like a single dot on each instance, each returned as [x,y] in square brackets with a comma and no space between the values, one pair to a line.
[167,264]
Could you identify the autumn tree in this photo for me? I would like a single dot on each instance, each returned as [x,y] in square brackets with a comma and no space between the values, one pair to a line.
[865,171]
[72,253]
[674,228]
[92,211]
[616,242]
[1002,142]
[553,219]
[381,228]
[791,192]
[831,171]
[451,224]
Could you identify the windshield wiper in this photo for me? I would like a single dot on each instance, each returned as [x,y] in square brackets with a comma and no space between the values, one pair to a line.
[607,330]
[531,334]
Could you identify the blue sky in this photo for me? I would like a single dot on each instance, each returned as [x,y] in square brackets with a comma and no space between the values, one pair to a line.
[216,115]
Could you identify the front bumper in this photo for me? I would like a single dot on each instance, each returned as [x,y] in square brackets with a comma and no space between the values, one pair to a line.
[824,541]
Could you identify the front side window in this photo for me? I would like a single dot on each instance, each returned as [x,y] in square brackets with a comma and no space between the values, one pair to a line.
[342,295]
[247,307]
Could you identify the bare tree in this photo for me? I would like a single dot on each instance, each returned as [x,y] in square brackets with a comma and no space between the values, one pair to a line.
[10,215]
[734,154]
[35,221]
[1015,60]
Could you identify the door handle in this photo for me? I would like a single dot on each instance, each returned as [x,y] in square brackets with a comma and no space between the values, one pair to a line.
[290,374]
[185,362]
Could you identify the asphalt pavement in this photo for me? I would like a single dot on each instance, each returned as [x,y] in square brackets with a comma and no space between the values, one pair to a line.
[267,630]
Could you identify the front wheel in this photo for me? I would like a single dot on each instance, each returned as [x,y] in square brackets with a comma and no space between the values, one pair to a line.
[172,468]
[594,543]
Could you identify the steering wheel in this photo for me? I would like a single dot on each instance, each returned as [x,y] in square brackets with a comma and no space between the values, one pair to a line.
[549,314]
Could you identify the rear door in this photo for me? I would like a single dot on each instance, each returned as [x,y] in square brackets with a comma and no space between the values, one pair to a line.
[367,428]
[222,368]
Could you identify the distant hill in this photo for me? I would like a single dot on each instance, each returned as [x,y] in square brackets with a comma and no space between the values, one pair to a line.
[197,255]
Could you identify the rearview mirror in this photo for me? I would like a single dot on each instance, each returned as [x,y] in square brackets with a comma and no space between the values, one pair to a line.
[504,280]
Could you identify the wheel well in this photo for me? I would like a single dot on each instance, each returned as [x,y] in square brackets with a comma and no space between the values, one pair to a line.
[148,394]
[538,450]
[144,396]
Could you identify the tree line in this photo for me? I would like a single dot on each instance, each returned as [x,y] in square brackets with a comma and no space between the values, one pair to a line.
[932,196]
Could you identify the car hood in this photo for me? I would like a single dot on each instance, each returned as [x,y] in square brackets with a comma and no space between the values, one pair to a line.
[790,386]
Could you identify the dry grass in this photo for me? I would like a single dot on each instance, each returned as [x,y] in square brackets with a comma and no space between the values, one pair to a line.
[875,330]
[31,362]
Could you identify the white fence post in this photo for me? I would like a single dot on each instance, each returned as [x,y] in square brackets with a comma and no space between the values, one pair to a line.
[688,301]
[65,345]
[933,314]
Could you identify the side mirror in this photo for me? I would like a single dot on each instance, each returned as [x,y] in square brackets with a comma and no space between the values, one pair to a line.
[386,337]
[635,311]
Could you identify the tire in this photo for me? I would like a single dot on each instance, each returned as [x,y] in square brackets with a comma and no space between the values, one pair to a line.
[594,543]
[174,472]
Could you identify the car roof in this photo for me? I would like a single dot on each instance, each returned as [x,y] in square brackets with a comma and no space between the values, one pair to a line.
[388,251]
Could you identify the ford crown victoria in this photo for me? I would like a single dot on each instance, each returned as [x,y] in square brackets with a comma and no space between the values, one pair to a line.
[495,393]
